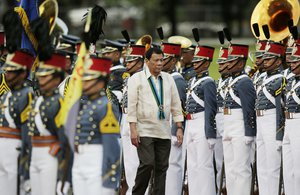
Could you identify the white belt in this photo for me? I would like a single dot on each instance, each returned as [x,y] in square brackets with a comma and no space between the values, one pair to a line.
[260,113]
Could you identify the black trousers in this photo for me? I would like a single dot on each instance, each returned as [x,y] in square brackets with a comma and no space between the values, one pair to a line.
[154,155]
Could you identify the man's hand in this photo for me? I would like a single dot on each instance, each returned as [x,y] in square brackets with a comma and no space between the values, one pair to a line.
[249,140]
[211,143]
[179,135]
[135,138]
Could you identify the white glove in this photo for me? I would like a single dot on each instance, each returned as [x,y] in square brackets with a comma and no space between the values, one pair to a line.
[211,143]
[27,186]
[65,189]
[249,140]
[279,145]
[58,188]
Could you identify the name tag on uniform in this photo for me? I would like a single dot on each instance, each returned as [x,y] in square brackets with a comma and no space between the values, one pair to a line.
[259,112]
[227,111]
[289,115]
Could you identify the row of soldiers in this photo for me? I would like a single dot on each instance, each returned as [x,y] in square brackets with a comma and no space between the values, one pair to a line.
[223,120]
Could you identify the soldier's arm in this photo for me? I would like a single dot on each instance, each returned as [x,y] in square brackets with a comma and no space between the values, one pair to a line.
[280,118]
[176,108]
[132,99]
[110,130]
[247,95]
[210,106]
[25,155]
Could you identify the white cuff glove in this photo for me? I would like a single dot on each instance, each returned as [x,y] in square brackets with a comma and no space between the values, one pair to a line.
[65,189]
[211,143]
[58,188]
[279,145]
[27,186]
[249,140]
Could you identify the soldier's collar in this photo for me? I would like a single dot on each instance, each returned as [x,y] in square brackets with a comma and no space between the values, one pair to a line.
[117,63]
[101,93]
[236,74]
[21,86]
[201,75]
[273,72]
[50,93]
[297,78]
[225,76]
[188,66]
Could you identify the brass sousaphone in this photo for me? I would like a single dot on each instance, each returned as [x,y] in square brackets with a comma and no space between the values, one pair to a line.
[49,10]
[276,14]
[145,40]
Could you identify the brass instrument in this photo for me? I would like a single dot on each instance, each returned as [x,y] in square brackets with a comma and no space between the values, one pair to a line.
[49,10]
[183,41]
[276,14]
[145,40]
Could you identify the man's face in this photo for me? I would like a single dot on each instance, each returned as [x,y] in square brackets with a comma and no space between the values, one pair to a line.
[259,63]
[295,67]
[201,66]
[235,65]
[271,63]
[114,56]
[186,57]
[48,82]
[223,68]
[155,63]
[169,63]
[14,78]
[134,65]
[91,87]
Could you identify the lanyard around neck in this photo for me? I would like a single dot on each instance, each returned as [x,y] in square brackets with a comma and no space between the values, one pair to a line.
[159,98]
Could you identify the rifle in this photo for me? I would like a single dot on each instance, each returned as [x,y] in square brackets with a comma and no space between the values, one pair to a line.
[281,179]
[123,187]
[254,177]
[185,187]
[221,178]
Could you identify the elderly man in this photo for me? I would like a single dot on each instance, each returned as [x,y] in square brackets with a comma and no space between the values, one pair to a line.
[152,97]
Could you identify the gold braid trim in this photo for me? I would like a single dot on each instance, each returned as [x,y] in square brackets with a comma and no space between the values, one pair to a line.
[108,94]
[25,23]
[30,35]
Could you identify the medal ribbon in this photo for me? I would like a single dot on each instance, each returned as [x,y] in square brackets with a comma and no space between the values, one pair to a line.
[159,99]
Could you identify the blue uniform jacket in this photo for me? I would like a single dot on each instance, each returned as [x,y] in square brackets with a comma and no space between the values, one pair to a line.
[245,91]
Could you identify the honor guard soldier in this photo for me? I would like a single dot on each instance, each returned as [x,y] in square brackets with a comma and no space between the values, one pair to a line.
[15,105]
[113,51]
[290,145]
[221,86]
[270,120]
[260,74]
[175,170]
[201,108]
[97,149]
[68,45]
[187,54]
[239,122]
[47,134]
[287,73]
[134,61]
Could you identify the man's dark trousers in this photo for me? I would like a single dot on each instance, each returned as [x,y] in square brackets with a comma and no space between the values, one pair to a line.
[154,155]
